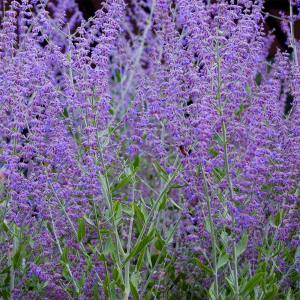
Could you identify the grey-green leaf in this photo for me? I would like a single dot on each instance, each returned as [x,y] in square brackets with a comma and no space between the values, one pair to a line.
[242,245]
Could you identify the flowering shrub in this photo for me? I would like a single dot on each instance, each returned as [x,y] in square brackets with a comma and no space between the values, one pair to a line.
[147,153]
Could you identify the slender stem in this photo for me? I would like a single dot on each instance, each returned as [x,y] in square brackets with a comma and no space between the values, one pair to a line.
[72,226]
[226,165]
[61,252]
[12,270]
[236,281]
[212,232]
[127,267]
[154,211]
[159,257]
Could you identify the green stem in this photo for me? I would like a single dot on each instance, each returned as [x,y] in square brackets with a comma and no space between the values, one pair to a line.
[227,168]
[61,252]
[127,267]
[154,211]
[212,232]
[236,281]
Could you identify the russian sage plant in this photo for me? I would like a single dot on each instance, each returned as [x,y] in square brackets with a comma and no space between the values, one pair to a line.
[147,153]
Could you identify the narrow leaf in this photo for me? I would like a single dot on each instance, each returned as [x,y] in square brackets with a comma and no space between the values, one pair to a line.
[242,245]
[81,230]
[140,246]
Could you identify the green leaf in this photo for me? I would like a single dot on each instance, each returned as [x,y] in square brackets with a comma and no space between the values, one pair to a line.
[202,266]
[117,276]
[211,292]
[109,247]
[248,89]
[66,113]
[175,204]
[231,284]
[253,282]
[271,295]
[96,292]
[163,202]
[141,259]
[222,261]
[219,139]
[258,79]
[277,220]
[160,242]
[81,230]
[17,258]
[5,294]
[219,173]
[124,180]
[139,217]
[241,109]
[127,209]
[213,152]
[133,287]
[140,246]
[118,76]
[161,171]
[106,286]
[242,245]
[136,163]
[5,227]
[64,256]
[117,212]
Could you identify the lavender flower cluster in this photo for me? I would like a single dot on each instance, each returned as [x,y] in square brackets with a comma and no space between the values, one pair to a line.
[97,115]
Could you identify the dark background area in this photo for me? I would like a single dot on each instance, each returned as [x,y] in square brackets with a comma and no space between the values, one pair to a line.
[273,7]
